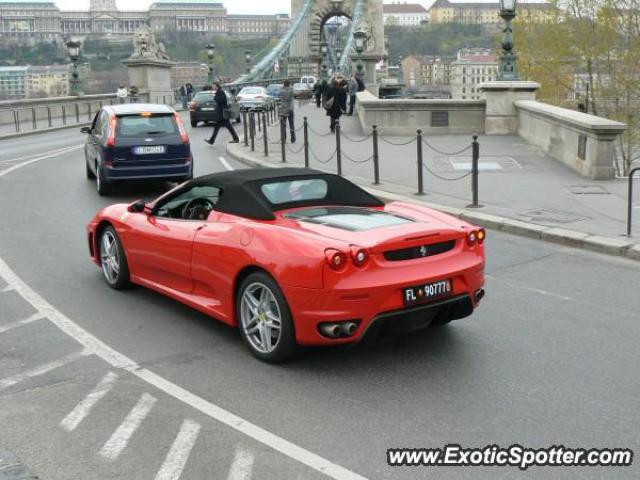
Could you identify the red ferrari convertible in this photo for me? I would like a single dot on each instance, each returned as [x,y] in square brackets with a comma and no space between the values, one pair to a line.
[294,257]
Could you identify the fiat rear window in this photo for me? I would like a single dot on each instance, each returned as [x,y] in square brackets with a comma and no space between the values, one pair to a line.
[143,125]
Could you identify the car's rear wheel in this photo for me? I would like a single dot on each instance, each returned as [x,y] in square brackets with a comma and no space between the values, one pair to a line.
[264,319]
[194,123]
[102,186]
[238,120]
[113,260]
[90,174]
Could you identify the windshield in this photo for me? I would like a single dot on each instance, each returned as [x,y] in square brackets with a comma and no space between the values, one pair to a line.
[139,125]
[251,91]
[204,97]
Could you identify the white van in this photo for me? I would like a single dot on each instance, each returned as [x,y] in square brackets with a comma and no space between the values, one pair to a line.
[309,81]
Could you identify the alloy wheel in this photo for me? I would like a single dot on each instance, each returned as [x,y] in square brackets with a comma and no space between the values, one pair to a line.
[261,317]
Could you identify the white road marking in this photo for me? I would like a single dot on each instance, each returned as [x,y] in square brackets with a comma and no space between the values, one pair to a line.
[73,419]
[33,155]
[118,360]
[37,159]
[531,289]
[6,289]
[41,369]
[179,453]
[25,321]
[242,467]
[120,438]
[225,164]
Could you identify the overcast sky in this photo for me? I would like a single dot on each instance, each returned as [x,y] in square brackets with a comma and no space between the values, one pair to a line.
[233,6]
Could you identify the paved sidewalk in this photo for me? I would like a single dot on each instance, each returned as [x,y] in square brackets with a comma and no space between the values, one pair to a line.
[518,182]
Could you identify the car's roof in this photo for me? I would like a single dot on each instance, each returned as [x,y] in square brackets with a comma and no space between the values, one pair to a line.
[241,193]
[133,108]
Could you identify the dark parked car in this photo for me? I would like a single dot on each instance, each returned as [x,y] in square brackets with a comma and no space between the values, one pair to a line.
[203,108]
[136,141]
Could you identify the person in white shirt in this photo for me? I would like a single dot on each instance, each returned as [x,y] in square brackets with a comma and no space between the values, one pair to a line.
[122,94]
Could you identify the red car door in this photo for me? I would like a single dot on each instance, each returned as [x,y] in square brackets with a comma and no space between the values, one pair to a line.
[159,250]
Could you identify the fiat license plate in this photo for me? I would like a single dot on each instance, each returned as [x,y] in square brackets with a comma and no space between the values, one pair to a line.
[149,150]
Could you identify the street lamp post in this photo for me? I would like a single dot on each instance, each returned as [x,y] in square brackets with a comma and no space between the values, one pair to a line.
[360,37]
[400,72]
[247,57]
[508,70]
[300,62]
[323,51]
[210,51]
[73,47]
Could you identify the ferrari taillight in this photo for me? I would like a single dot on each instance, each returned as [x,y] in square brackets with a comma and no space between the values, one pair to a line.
[183,131]
[482,234]
[335,258]
[472,237]
[359,256]
[111,137]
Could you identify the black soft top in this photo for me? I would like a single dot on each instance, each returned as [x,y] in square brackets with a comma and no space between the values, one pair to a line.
[241,194]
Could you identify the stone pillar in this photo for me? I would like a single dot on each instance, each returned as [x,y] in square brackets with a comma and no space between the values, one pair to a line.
[152,76]
[502,116]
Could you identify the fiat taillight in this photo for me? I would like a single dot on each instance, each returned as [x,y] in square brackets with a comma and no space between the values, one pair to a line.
[183,131]
[111,136]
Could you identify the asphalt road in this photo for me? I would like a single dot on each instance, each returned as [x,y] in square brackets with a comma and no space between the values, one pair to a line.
[550,358]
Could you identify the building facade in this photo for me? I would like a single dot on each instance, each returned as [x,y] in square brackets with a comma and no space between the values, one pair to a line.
[13,83]
[450,11]
[472,67]
[404,14]
[42,19]
[34,82]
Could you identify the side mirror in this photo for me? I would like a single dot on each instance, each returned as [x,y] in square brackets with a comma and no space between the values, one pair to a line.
[85,130]
[137,207]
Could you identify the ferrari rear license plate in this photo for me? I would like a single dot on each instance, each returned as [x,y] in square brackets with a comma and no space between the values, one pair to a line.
[427,292]
[148,150]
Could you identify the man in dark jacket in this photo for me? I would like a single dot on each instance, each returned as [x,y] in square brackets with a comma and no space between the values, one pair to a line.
[317,93]
[222,116]
[338,97]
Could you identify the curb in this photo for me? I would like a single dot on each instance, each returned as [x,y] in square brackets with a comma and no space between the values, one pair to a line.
[42,130]
[619,247]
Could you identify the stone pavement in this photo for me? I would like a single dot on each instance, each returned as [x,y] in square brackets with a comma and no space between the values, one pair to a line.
[520,188]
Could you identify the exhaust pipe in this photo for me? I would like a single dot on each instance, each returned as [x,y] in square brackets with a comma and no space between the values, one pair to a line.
[332,330]
[479,294]
[349,328]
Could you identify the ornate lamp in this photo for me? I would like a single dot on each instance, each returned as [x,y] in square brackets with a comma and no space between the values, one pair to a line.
[508,70]
[73,47]
[360,38]
[400,72]
[300,62]
[210,51]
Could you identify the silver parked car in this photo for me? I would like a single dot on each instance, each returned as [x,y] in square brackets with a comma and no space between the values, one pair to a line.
[255,98]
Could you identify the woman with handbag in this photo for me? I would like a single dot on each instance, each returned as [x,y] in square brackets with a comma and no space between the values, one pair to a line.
[222,116]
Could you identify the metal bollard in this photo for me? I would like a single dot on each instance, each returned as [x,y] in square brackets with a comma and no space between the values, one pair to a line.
[475,156]
[16,120]
[376,165]
[64,114]
[419,147]
[306,142]
[89,111]
[77,109]
[49,115]
[283,132]
[630,200]
[252,130]
[338,152]
[258,114]
[34,123]
[265,138]
[244,124]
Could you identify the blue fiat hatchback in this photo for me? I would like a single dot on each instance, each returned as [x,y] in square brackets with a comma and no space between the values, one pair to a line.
[136,141]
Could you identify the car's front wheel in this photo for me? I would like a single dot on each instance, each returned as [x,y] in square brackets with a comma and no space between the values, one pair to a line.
[113,260]
[264,319]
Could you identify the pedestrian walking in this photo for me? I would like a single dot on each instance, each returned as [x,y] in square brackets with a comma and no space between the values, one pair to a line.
[122,93]
[353,88]
[184,96]
[190,90]
[223,113]
[336,102]
[286,110]
[317,93]
[324,90]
